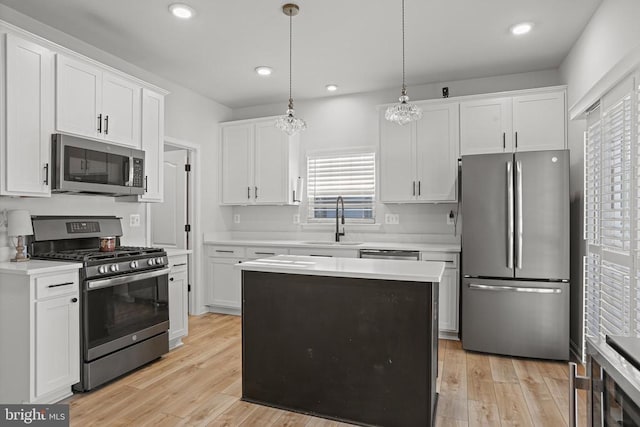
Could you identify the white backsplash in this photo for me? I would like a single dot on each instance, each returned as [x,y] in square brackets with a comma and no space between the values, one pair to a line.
[66,204]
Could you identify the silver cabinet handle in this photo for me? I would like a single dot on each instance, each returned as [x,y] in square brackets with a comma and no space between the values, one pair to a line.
[510,219]
[106,125]
[224,251]
[519,224]
[576,382]
[414,188]
[504,140]
[46,174]
[255,192]
[179,265]
[515,289]
[99,123]
[265,253]
[60,284]
[248,192]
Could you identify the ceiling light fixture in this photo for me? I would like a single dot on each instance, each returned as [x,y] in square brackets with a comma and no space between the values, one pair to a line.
[181,10]
[332,88]
[264,70]
[522,28]
[289,123]
[403,112]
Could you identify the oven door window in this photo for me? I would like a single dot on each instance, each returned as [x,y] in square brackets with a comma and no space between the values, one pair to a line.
[118,311]
[96,167]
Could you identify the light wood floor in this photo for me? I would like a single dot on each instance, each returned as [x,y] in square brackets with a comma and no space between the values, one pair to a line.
[199,384]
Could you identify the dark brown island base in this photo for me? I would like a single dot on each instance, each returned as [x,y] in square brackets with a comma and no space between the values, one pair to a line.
[354,340]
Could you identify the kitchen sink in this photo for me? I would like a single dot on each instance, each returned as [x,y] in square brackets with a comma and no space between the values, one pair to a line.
[332,243]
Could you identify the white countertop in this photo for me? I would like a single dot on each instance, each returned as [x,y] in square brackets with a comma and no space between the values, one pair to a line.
[383,269]
[175,251]
[37,267]
[422,247]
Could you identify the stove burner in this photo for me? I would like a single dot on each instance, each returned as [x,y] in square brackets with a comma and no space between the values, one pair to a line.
[95,254]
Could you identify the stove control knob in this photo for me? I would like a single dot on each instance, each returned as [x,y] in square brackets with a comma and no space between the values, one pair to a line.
[114,267]
[159,261]
[102,269]
[133,264]
[151,261]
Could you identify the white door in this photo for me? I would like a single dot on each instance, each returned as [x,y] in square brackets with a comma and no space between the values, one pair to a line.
[271,153]
[29,101]
[237,162]
[539,121]
[485,126]
[437,153]
[169,217]
[153,144]
[397,162]
[120,110]
[57,353]
[78,97]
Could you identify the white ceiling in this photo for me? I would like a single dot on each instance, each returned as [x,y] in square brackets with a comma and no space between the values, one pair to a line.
[355,44]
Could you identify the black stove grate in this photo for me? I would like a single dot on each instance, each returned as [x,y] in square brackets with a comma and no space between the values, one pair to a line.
[95,254]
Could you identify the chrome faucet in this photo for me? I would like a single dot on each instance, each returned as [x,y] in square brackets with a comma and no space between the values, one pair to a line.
[338,233]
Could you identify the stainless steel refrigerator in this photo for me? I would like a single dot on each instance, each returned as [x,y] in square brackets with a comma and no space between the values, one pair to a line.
[515,254]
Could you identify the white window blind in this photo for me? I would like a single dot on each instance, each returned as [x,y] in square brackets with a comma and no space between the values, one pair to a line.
[591,280]
[352,176]
[616,177]
[592,177]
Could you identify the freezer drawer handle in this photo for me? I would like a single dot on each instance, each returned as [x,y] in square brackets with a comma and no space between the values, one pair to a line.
[576,382]
[515,289]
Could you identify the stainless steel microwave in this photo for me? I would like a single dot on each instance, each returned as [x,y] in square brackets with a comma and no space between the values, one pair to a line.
[93,167]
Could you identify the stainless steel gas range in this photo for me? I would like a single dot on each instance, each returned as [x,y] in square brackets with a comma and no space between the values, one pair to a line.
[124,302]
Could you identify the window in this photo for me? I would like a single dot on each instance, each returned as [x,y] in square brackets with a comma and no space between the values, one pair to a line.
[352,176]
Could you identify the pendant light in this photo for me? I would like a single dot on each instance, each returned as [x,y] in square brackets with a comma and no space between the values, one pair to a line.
[403,112]
[289,123]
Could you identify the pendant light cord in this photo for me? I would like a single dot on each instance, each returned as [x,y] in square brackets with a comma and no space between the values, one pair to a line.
[404,87]
[290,58]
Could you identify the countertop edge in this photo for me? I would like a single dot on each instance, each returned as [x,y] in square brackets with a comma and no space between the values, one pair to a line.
[37,267]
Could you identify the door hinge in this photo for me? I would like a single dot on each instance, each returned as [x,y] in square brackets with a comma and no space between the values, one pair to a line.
[188,288]
[187,227]
[187,167]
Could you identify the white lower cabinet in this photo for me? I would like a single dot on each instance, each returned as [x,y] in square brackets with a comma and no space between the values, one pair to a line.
[223,291]
[40,318]
[449,294]
[178,300]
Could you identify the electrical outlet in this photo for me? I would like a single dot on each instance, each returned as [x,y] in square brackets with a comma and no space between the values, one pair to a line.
[296,218]
[391,219]
[236,219]
[450,218]
[134,220]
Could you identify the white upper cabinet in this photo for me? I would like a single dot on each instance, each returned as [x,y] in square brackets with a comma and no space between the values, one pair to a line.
[259,164]
[28,103]
[532,121]
[92,102]
[153,145]
[539,121]
[485,126]
[419,161]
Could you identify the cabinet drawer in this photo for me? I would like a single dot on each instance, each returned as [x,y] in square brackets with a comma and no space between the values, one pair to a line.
[263,252]
[226,251]
[324,252]
[450,259]
[56,284]
[178,263]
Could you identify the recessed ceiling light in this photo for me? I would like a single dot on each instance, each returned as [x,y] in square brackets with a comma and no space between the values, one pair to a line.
[522,28]
[264,71]
[332,88]
[181,10]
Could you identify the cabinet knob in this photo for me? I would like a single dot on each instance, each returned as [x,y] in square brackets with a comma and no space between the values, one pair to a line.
[74,299]
[171,279]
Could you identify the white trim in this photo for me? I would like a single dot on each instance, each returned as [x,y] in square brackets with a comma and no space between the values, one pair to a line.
[615,75]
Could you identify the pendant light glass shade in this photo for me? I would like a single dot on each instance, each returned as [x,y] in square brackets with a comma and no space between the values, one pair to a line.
[289,123]
[404,112]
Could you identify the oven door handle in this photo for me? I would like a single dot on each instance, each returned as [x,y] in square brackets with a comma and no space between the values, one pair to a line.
[114,281]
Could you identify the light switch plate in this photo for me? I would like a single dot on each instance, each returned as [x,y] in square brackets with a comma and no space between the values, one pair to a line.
[296,218]
[236,219]
[134,220]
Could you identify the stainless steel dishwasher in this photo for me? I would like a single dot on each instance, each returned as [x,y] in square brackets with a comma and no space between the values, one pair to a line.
[390,254]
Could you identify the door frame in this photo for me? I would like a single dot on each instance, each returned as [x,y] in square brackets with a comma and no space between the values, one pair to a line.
[195,238]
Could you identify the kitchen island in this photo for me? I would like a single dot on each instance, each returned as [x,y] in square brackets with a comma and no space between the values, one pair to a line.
[347,339]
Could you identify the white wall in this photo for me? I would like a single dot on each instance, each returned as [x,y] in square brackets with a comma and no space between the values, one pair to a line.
[188,116]
[611,35]
[336,122]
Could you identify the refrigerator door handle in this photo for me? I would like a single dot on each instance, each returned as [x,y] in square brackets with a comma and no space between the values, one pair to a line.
[510,220]
[520,224]
[479,287]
